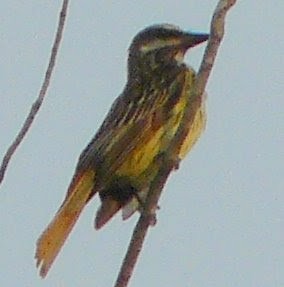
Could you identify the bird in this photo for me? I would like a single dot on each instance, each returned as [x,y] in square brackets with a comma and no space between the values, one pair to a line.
[120,162]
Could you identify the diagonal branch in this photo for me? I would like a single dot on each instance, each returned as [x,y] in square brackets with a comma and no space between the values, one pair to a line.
[37,104]
[170,158]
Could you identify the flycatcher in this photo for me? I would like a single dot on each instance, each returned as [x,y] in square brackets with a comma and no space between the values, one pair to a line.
[120,162]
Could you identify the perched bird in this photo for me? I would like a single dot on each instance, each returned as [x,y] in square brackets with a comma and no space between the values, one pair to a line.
[121,160]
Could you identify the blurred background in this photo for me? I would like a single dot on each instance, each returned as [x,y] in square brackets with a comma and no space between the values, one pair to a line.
[221,217]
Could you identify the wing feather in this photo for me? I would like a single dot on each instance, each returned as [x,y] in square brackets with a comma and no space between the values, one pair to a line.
[133,120]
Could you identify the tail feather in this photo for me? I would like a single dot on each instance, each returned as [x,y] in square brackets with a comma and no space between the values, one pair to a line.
[108,208]
[53,238]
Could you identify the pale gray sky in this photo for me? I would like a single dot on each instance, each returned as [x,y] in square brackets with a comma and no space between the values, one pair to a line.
[221,217]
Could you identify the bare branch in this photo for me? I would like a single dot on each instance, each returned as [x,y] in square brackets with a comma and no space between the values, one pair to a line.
[37,104]
[170,158]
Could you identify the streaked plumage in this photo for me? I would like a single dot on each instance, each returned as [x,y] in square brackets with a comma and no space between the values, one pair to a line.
[119,162]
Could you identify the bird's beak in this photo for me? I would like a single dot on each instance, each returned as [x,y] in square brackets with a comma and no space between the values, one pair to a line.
[192,39]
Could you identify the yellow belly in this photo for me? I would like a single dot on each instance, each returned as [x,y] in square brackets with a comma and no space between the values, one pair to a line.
[144,170]
[195,131]
[141,158]
[154,141]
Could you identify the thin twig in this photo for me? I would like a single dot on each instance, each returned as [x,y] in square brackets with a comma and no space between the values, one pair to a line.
[37,104]
[170,158]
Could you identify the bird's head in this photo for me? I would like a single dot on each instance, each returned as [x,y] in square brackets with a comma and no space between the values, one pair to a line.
[161,46]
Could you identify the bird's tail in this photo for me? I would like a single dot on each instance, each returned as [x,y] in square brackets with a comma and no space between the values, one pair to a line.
[52,239]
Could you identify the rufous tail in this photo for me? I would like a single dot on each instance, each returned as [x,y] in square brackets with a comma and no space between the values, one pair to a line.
[53,238]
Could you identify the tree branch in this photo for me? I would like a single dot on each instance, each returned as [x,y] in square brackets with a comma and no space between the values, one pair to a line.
[37,104]
[170,158]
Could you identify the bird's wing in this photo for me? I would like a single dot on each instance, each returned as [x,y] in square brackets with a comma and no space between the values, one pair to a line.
[132,120]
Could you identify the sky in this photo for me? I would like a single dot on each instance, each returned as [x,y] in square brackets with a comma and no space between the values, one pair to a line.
[221,217]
